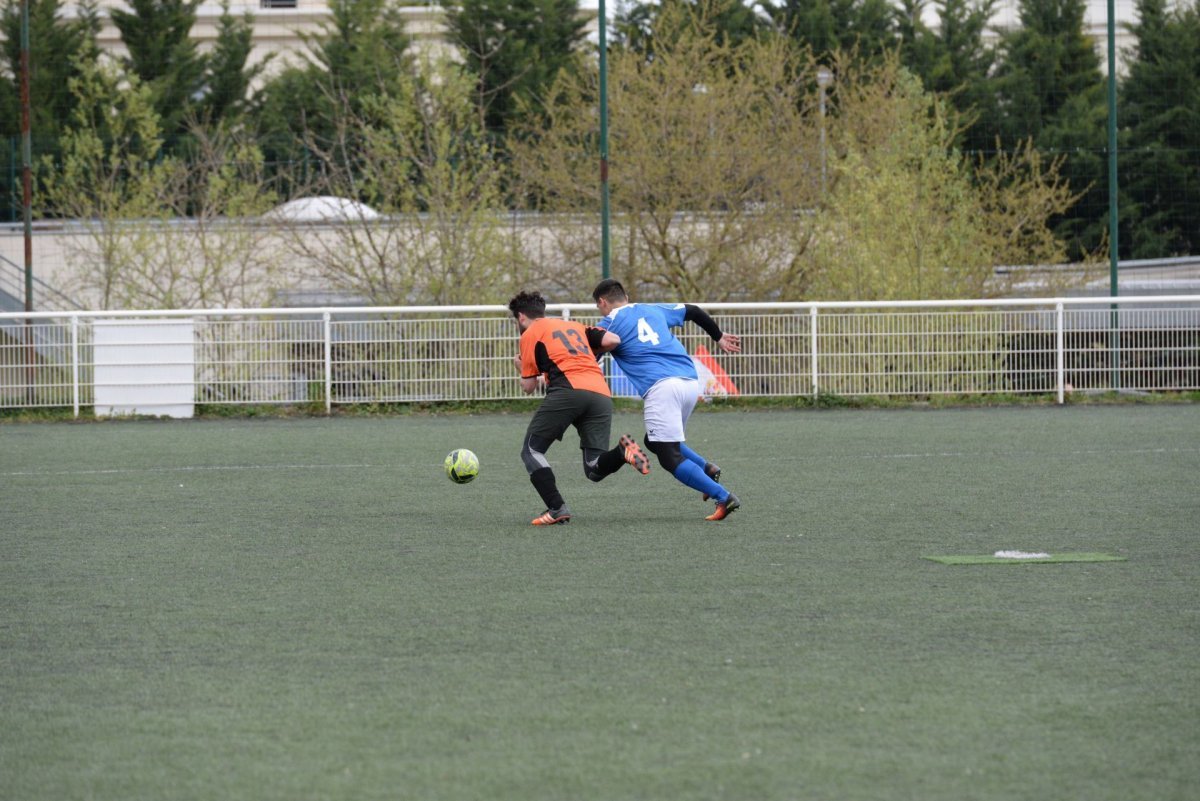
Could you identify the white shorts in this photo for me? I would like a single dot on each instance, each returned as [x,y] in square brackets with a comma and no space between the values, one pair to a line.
[668,405]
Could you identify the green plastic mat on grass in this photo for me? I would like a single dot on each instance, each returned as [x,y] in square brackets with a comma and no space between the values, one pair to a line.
[988,559]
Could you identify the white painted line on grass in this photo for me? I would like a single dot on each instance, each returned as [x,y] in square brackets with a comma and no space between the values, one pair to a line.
[970,454]
[187,469]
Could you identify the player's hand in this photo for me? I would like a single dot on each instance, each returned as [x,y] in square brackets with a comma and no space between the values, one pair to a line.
[517,362]
[730,343]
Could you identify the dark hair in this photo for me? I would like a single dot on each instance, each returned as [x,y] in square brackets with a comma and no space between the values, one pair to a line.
[531,304]
[610,289]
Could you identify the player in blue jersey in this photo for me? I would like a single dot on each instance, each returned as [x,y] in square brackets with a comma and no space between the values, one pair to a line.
[660,369]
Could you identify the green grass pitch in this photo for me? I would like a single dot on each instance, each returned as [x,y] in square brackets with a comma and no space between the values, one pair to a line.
[308,609]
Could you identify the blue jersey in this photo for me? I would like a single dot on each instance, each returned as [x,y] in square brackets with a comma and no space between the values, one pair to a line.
[649,352]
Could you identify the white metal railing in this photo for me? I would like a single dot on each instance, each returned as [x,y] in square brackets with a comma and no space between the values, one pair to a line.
[457,353]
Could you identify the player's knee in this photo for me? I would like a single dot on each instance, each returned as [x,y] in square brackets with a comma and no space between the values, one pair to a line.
[591,464]
[527,459]
[533,454]
[669,454]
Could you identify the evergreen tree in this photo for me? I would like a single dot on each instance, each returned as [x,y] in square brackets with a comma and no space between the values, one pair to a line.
[361,53]
[11,200]
[515,50]
[731,21]
[228,80]
[1049,87]
[953,59]
[1044,62]
[633,26]
[57,48]
[1160,114]
[865,26]
[55,45]
[919,50]
[157,34]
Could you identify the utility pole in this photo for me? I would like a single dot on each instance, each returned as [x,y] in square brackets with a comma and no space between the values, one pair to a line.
[26,157]
[27,198]
[1115,319]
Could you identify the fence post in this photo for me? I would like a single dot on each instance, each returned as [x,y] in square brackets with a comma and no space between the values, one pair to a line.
[1060,367]
[328,365]
[75,363]
[812,347]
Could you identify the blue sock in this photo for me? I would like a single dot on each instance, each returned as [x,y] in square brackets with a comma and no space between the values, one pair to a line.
[691,455]
[692,475]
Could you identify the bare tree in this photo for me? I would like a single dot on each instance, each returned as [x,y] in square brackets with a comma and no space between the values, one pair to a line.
[217,195]
[730,179]
[909,216]
[110,181]
[426,222]
[154,231]
[714,154]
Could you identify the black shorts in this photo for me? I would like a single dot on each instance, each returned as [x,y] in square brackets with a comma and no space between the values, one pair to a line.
[590,413]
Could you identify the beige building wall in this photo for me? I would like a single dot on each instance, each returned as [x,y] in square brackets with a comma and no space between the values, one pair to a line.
[282,260]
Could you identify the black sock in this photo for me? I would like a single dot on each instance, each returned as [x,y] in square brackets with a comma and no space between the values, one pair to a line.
[610,461]
[543,481]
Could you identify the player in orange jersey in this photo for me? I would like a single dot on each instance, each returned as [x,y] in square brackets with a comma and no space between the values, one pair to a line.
[561,354]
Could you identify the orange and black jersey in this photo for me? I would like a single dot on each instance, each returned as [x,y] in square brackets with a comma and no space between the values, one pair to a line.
[564,351]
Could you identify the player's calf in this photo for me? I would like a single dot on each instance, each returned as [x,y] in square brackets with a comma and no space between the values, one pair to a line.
[713,472]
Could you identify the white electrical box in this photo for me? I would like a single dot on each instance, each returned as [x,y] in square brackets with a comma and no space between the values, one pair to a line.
[145,367]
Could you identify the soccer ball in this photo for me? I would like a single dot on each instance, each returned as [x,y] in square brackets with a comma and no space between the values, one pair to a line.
[462,466]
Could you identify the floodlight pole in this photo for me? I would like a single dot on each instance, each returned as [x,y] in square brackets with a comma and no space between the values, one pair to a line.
[605,255]
[1113,290]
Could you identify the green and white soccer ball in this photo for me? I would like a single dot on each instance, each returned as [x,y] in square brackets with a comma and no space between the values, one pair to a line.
[462,466]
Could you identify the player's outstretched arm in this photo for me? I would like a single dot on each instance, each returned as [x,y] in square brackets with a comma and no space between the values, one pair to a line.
[730,343]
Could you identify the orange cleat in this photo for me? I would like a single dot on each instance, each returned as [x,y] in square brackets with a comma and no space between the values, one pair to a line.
[634,455]
[552,518]
[725,508]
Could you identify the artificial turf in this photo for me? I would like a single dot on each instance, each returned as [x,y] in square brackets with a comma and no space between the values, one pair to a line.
[308,609]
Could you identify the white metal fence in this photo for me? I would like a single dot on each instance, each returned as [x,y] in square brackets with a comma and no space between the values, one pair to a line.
[394,355]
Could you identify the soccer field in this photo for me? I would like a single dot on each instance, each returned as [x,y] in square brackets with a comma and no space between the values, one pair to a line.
[308,609]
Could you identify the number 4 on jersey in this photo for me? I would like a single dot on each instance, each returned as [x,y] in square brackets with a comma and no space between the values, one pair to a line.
[646,333]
